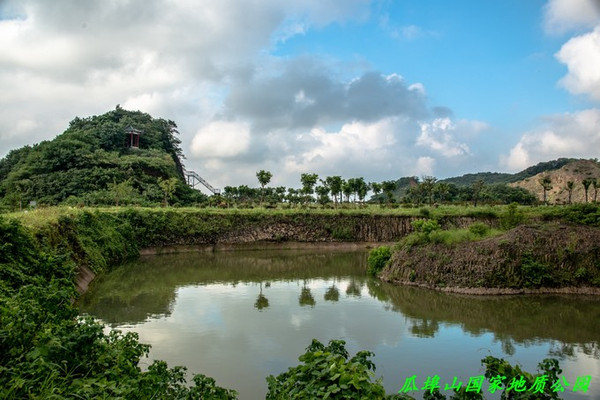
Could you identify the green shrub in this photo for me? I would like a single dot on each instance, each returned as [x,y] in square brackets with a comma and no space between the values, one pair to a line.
[479,229]
[581,274]
[378,259]
[534,273]
[326,372]
[512,217]
[342,233]
[425,226]
[413,275]
[450,237]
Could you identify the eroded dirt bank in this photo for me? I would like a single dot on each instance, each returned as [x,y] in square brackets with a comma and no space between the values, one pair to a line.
[549,258]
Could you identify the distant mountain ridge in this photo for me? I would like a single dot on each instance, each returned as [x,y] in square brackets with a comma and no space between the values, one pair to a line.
[575,171]
[560,171]
[500,177]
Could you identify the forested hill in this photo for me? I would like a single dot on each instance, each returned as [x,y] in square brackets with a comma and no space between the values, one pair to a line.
[491,178]
[93,162]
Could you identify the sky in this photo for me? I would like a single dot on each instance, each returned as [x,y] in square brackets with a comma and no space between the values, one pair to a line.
[373,88]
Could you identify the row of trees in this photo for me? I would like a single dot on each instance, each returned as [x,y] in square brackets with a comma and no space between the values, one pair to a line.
[546,183]
[306,298]
[332,189]
[335,190]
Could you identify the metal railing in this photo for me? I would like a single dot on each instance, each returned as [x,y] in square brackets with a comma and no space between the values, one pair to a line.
[193,179]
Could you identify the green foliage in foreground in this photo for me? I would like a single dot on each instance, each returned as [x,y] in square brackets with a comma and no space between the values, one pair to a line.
[326,372]
[378,258]
[47,352]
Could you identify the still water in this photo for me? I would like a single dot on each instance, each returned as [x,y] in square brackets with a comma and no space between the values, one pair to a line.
[240,316]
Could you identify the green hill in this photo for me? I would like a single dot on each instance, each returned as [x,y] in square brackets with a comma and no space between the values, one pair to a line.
[491,178]
[93,163]
[498,187]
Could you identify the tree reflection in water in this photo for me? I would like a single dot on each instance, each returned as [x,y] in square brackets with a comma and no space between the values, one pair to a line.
[306,298]
[261,300]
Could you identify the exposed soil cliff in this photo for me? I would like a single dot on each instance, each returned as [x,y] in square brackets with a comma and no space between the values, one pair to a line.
[530,258]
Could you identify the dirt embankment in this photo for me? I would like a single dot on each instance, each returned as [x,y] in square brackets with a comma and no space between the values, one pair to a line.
[330,228]
[550,258]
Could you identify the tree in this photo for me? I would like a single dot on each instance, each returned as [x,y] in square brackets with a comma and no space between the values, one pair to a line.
[596,185]
[347,188]
[335,186]
[23,187]
[570,185]
[586,186]
[376,188]
[546,183]
[168,187]
[415,193]
[308,183]
[361,188]
[121,190]
[323,194]
[428,186]
[388,188]
[264,177]
[477,186]
[442,189]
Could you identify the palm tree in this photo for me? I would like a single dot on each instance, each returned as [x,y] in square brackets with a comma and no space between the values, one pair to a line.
[546,183]
[586,185]
[570,185]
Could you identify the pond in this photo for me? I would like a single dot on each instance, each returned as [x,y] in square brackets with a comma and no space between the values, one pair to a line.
[240,316]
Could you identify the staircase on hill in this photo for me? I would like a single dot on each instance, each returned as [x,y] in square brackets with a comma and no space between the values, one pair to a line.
[192,179]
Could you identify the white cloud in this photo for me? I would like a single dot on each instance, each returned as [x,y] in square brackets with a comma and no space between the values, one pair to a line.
[203,66]
[567,135]
[581,54]
[63,59]
[357,145]
[438,136]
[221,139]
[424,166]
[561,16]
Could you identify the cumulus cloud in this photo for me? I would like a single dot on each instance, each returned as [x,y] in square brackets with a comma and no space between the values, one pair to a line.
[561,16]
[63,59]
[305,93]
[357,146]
[437,135]
[209,67]
[221,139]
[581,54]
[567,135]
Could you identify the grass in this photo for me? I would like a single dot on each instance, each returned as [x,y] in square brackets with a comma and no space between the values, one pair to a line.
[44,215]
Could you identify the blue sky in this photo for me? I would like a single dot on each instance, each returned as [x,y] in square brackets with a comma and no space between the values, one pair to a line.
[380,89]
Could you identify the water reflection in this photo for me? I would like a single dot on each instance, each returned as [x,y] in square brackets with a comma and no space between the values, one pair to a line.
[135,292]
[262,308]
[261,300]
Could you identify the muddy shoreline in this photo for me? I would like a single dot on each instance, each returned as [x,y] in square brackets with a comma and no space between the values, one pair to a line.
[480,291]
